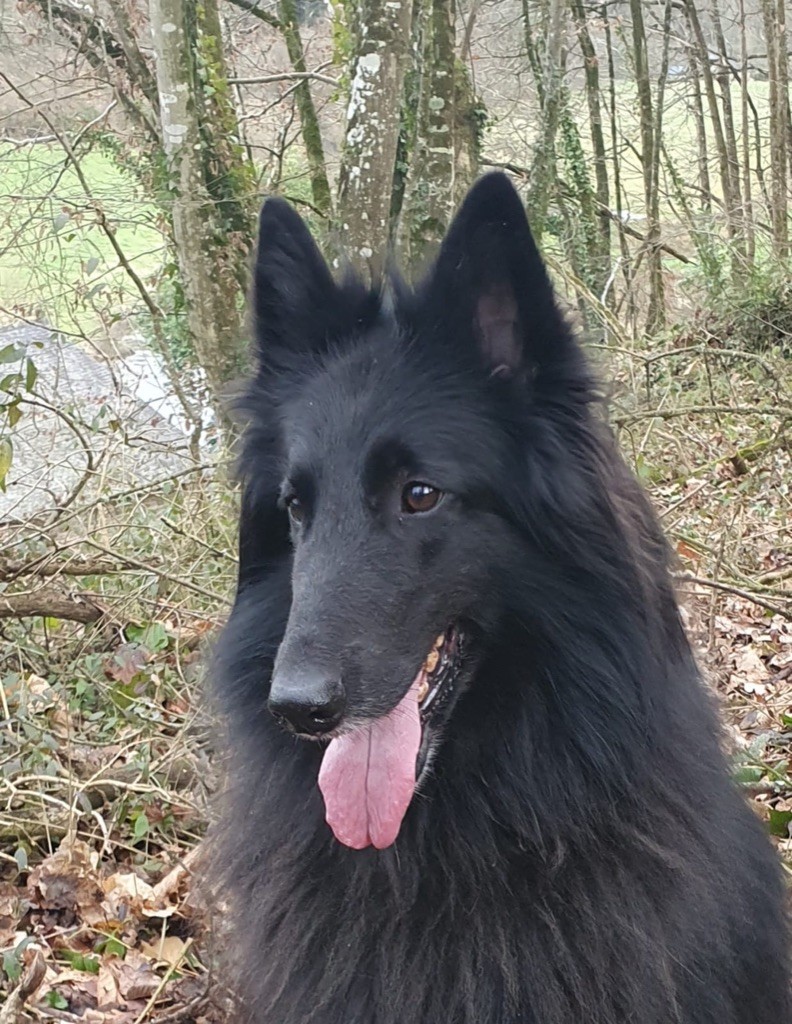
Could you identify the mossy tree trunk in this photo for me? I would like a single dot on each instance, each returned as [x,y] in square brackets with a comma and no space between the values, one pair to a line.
[372,131]
[446,150]
[210,185]
[311,132]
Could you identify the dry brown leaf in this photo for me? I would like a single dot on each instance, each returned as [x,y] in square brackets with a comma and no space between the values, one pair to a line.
[750,672]
[136,977]
[169,950]
[67,879]
[108,992]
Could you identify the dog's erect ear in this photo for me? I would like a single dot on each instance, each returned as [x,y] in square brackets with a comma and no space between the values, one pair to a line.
[293,290]
[489,282]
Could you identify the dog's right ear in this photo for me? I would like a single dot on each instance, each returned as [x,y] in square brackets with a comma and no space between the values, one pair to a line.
[294,294]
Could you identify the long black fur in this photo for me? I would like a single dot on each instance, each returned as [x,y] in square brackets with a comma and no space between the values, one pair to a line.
[578,854]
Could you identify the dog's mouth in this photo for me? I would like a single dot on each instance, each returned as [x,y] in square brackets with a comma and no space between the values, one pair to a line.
[369,774]
[440,672]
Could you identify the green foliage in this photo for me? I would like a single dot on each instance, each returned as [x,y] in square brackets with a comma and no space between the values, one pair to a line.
[754,317]
[80,961]
[13,388]
[56,263]
[344,34]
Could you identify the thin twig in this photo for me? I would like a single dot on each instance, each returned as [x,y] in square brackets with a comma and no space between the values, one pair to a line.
[727,588]
[784,412]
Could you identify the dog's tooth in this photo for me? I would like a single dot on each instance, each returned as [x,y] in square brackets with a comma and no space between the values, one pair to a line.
[440,641]
[431,661]
[423,690]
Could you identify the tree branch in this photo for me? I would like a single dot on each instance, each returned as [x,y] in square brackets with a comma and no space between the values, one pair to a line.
[784,412]
[50,604]
[252,7]
[727,588]
[11,569]
[602,211]
[286,76]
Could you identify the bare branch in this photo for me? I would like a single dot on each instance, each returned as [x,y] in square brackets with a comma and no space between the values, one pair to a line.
[785,413]
[50,604]
[286,76]
[252,7]
[11,569]
[727,588]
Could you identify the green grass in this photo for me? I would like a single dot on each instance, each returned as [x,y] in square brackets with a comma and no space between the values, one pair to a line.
[55,259]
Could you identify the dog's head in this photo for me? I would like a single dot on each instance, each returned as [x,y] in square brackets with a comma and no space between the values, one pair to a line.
[385,505]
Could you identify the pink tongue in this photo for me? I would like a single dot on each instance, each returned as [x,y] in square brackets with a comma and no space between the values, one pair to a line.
[367,777]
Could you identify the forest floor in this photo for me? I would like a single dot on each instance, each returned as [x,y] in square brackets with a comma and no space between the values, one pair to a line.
[106,761]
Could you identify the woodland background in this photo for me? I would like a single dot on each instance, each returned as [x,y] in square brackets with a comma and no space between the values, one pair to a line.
[652,142]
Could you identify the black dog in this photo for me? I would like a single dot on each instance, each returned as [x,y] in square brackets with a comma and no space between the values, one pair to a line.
[518,810]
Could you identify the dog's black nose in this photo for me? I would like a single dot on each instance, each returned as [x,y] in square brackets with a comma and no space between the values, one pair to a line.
[308,704]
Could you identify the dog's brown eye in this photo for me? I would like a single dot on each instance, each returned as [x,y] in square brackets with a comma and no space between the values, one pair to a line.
[295,508]
[417,497]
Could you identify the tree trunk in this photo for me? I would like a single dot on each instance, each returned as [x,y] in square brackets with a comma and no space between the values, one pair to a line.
[209,224]
[311,132]
[445,156]
[745,127]
[730,203]
[372,132]
[724,78]
[618,191]
[701,129]
[649,163]
[775,39]
[547,62]
[591,70]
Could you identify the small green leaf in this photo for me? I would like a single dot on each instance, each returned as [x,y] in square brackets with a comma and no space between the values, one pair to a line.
[92,264]
[154,637]
[21,857]
[14,413]
[56,1000]
[745,774]
[112,947]
[779,823]
[6,459]
[11,354]
[141,826]
[31,373]
[12,965]
[81,962]
[60,221]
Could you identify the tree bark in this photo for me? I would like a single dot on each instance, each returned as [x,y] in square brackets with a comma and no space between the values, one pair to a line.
[649,163]
[311,132]
[372,132]
[591,71]
[775,38]
[207,181]
[730,203]
[49,604]
[547,62]
[724,78]
[445,154]
[745,126]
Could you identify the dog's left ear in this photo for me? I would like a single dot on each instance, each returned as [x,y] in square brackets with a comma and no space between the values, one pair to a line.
[489,283]
[299,309]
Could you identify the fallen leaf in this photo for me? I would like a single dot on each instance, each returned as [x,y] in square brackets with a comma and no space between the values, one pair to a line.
[169,950]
